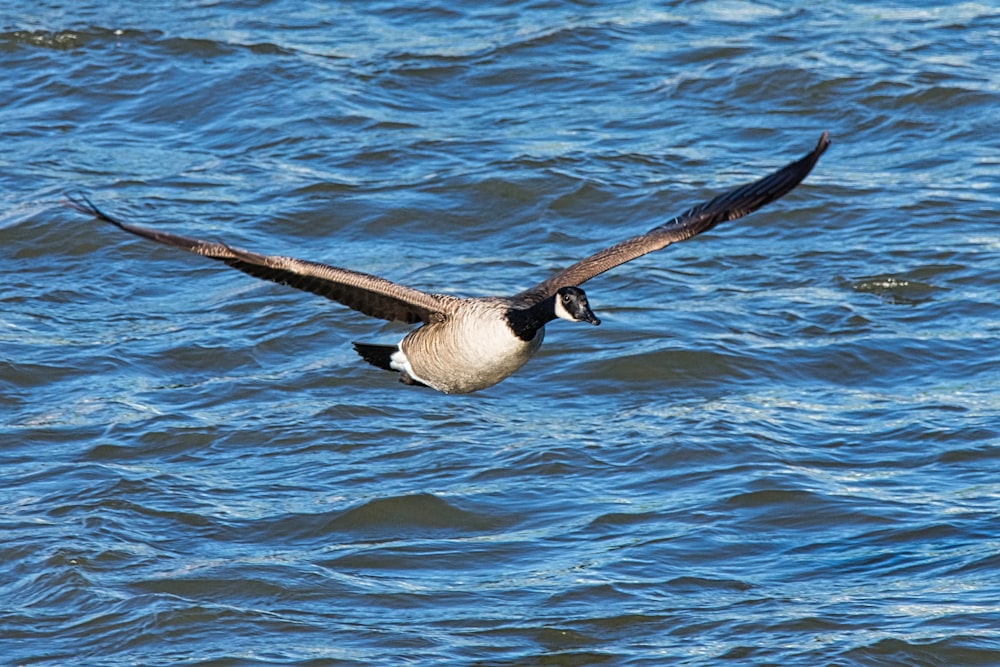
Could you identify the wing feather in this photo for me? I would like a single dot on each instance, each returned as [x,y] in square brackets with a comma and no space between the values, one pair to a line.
[728,206]
[363,292]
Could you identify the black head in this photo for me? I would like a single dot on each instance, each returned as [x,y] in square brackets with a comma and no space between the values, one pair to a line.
[571,304]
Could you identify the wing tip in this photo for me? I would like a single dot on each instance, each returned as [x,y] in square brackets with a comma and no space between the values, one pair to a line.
[81,203]
[822,144]
[802,167]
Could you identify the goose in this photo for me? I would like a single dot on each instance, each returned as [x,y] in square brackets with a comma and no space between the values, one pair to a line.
[468,344]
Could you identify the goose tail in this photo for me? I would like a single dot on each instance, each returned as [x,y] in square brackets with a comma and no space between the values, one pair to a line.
[377,355]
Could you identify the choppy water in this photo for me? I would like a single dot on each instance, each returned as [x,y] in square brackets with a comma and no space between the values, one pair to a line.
[782,447]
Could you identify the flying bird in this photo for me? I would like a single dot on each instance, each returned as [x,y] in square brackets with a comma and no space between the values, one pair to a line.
[467,344]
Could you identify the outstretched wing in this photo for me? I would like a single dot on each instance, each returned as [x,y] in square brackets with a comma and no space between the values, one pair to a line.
[729,206]
[366,293]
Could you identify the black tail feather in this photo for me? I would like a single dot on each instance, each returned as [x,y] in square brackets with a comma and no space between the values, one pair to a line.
[377,355]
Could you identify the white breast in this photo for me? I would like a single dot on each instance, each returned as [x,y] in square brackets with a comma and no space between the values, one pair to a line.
[472,350]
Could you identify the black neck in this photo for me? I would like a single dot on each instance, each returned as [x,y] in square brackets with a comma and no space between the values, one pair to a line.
[525,323]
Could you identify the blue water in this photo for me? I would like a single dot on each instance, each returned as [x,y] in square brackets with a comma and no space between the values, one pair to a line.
[781,447]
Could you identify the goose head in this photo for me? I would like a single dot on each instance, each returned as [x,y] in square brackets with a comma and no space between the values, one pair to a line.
[571,304]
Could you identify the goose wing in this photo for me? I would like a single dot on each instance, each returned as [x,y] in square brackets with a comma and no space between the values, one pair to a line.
[366,293]
[728,206]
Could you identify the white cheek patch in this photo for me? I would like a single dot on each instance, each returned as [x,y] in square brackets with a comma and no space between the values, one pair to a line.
[561,311]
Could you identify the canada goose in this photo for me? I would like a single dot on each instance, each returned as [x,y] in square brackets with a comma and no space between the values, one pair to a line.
[467,344]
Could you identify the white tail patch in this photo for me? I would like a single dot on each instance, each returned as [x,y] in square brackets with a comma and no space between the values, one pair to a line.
[400,363]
